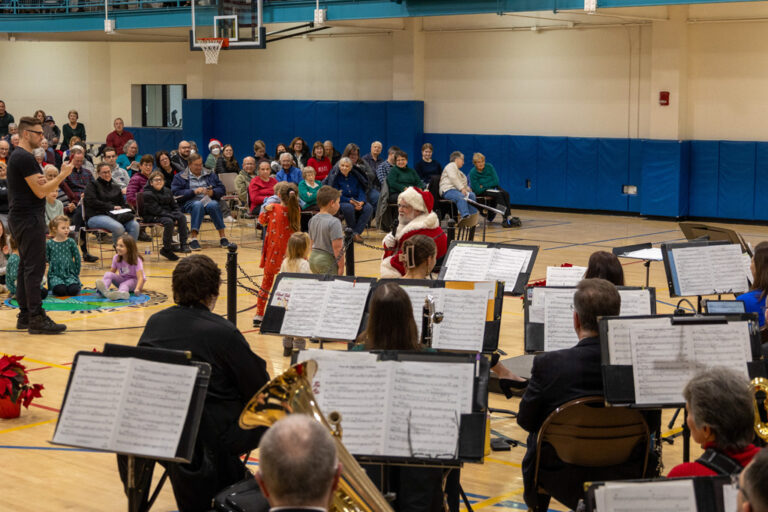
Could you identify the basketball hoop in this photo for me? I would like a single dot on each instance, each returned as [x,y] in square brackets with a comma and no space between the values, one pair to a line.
[211,46]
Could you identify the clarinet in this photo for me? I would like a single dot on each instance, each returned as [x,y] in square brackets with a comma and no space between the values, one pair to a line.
[429,317]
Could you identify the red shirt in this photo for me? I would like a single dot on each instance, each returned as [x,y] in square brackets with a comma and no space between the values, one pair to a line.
[695,469]
[118,141]
[259,190]
[322,167]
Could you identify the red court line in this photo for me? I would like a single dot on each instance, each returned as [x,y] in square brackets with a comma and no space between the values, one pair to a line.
[46,407]
[246,332]
[41,368]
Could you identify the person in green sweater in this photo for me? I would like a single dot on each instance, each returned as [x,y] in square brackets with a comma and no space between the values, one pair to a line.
[308,189]
[12,270]
[63,259]
[485,182]
[401,177]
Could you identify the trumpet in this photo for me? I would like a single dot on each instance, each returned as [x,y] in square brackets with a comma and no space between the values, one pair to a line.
[760,384]
[291,393]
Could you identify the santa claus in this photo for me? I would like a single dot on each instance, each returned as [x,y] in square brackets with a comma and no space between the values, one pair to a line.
[415,217]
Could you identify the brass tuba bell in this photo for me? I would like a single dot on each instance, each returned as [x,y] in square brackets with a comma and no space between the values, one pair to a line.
[291,393]
[760,384]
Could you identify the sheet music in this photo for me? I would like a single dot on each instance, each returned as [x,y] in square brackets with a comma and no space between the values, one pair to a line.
[619,343]
[635,302]
[558,319]
[468,263]
[418,294]
[536,306]
[565,276]
[282,294]
[730,498]
[727,268]
[709,269]
[506,265]
[663,363]
[342,309]
[302,316]
[721,345]
[463,325]
[656,496]
[650,254]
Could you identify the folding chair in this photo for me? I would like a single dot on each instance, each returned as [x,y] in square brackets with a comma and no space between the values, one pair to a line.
[156,239]
[84,230]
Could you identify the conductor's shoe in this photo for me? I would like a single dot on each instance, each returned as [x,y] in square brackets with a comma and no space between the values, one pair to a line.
[42,324]
[90,258]
[168,254]
[22,321]
[257,320]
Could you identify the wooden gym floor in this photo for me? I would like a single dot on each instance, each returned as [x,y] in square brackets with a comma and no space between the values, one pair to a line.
[35,475]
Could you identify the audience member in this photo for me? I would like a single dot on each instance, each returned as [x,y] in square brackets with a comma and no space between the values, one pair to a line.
[298,446]
[485,182]
[164,166]
[75,142]
[80,177]
[243,179]
[331,153]
[51,131]
[198,191]
[118,137]
[753,485]
[52,156]
[415,217]
[754,300]
[326,234]
[261,187]
[214,152]
[129,160]
[160,206]
[5,252]
[400,177]
[352,151]
[352,184]
[63,259]
[5,150]
[5,119]
[53,207]
[13,138]
[179,160]
[119,175]
[605,265]
[319,162]
[427,168]
[139,181]
[374,159]
[299,151]
[454,187]
[72,129]
[260,152]
[308,189]
[721,415]
[4,204]
[102,197]
[227,161]
[287,171]
[126,273]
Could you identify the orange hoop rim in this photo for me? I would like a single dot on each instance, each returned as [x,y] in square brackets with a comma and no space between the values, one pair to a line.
[224,40]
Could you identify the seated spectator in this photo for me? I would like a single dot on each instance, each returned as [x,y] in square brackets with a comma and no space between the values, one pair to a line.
[52,157]
[485,182]
[721,415]
[214,152]
[160,206]
[39,154]
[754,300]
[4,203]
[298,446]
[13,129]
[51,131]
[605,265]
[119,175]
[352,151]
[14,139]
[88,160]
[129,160]
[753,485]
[260,152]
[80,177]
[454,187]
[101,198]
[427,168]
[53,207]
[299,151]
[5,150]
[236,375]
[279,150]
[287,171]
[179,160]
[198,191]
[72,129]
[319,162]
[400,177]
[139,180]
[331,153]
[308,189]
[227,161]
[352,184]
[5,119]
[119,136]
[243,179]
[374,159]
[163,164]
[261,187]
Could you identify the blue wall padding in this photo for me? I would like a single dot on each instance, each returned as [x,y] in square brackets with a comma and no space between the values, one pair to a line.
[552,163]
[151,140]
[736,180]
[635,174]
[664,190]
[612,174]
[581,173]
[705,161]
[521,168]
[761,181]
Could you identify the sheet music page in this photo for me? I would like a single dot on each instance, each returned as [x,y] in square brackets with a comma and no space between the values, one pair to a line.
[694,271]
[730,498]
[302,316]
[663,363]
[342,310]
[506,265]
[660,496]
[417,294]
[650,254]
[468,263]
[635,302]
[93,402]
[728,268]
[558,319]
[565,276]
[155,408]
[463,325]
[427,402]
[282,294]
[721,345]
[748,267]
[619,342]
[536,307]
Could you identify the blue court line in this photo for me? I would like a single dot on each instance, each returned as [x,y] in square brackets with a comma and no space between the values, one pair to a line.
[611,239]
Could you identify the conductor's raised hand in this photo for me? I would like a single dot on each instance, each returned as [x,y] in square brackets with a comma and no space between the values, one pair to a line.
[66,169]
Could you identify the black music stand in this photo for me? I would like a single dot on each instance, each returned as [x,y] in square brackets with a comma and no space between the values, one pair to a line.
[485,209]
[641,252]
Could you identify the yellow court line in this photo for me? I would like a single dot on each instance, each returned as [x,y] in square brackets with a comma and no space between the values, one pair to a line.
[672,432]
[496,499]
[499,461]
[54,365]
[21,427]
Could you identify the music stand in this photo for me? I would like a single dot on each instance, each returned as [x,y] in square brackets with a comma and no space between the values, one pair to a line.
[644,252]
[698,231]
[486,209]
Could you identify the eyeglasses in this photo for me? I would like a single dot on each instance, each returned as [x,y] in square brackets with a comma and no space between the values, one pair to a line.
[156,180]
[403,206]
[35,131]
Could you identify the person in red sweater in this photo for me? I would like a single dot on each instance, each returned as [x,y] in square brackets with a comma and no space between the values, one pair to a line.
[415,218]
[320,162]
[117,138]
[720,408]
[261,187]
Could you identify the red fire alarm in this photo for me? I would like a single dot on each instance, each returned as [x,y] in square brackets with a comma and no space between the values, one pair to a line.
[664,98]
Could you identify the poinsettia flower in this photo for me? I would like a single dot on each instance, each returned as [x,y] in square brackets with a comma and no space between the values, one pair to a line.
[29,393]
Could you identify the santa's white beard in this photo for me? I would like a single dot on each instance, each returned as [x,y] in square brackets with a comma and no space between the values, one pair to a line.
[403,219]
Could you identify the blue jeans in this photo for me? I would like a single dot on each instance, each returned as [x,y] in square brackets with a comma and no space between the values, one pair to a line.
[117,229]
[465,209]
[373,197]
[197,211]
[363,216]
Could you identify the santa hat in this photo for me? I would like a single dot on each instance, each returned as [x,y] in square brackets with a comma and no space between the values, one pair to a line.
[214,142]
[418,199]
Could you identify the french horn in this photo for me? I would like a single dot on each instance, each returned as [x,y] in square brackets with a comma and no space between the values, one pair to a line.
[760,384]
[291,393]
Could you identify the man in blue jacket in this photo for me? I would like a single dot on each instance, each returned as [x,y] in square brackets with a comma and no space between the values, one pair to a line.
[198,190]
[352,184]
[288,171]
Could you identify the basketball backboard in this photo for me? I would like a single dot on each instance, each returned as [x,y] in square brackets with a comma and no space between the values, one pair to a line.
[239,21]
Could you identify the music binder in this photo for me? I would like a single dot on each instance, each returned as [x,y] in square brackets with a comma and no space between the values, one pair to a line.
[534,312]
[711,493]
[704,268]
[463,301]
[647,360]
[317,306]
[381,391]
[481,261]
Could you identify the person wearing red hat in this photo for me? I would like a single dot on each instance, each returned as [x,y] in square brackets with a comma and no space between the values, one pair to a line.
[214,146]
[415,217]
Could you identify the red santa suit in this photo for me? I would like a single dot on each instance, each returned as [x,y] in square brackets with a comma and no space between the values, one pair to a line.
[426,224]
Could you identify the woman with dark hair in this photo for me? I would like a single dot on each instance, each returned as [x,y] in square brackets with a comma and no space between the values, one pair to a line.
[163,164]
[72,129]
[227,161]
[605,265]
[390,321]
[299,151]
[419,257]
[428,168]
[319,162]
[754,300]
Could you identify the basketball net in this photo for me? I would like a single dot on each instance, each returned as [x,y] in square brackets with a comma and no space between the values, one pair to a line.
[211,48]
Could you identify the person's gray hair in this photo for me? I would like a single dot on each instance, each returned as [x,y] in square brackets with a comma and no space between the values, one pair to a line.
[5,143]
[285,155]
[128,144]
[76,150]
[345,159]
[722,399]
[756,481]
[38,152]
[12,125]
[456,155]
[297,460]
[595,298]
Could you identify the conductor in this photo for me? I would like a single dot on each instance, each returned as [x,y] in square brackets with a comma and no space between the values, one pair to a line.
[27,189]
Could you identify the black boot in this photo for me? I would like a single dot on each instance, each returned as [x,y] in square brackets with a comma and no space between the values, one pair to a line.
[42,324]
[22,321]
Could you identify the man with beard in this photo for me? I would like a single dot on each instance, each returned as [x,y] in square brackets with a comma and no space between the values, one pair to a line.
[415,217]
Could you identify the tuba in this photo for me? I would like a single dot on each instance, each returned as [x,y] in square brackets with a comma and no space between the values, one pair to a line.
[291,393]
[760,385]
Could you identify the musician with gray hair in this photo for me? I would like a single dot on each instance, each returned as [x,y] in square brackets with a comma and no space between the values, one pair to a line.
[298,467]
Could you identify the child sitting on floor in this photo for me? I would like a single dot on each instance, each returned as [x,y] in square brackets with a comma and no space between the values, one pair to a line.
[63,259]
[295,261]
[127,272]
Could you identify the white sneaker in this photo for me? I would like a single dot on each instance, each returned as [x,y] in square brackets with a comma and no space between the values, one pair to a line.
[229,218]
[101,287]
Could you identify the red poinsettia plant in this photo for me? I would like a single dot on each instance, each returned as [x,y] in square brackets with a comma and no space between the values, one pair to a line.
[14,382]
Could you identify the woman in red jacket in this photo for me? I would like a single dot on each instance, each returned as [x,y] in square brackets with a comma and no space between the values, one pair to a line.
[261,187]
[320,162]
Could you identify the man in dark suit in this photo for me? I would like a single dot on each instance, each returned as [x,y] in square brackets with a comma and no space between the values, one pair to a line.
[560,376]
[298,468]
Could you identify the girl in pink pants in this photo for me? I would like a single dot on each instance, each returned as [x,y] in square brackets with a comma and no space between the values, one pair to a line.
[127,272]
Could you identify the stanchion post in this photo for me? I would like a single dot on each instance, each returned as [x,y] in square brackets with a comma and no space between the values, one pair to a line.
[232,283]
[350,252]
